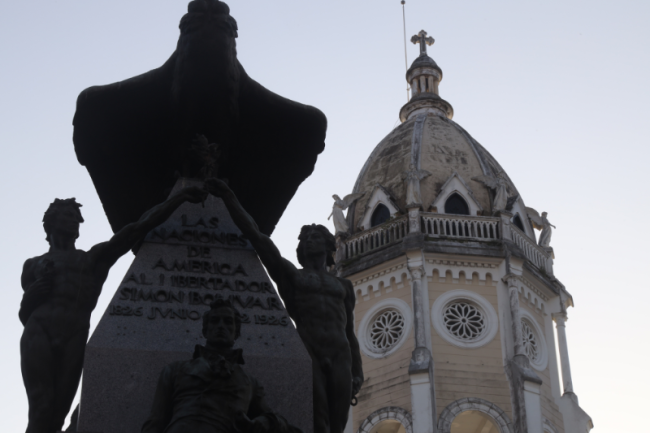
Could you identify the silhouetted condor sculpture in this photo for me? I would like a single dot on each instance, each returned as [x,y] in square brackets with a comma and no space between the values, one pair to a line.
[133,135]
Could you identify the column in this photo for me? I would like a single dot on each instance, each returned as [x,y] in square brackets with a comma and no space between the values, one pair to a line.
[419,309]
[423,401]
[430,84]
[415,88]
[560,324]
[506,233]
[515,315]
[525,382]
[533,404]
[423,83]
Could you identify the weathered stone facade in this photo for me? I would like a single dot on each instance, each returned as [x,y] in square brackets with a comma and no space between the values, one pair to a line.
[455,298]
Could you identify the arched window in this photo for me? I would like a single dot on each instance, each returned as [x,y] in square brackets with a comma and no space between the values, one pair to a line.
[457,205]
[517,221]
[380,215]
[474,421]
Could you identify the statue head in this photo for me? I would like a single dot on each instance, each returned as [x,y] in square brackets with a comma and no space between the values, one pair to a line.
[208,12]
[221,323]
[62,217]
[315,239]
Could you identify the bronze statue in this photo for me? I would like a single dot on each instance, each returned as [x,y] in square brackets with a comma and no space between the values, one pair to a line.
[212,393]
[133,136]
[61,290]
[320,304]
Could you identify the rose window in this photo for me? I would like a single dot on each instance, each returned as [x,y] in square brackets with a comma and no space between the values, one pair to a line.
[386,330]
[464,320]
[530,342]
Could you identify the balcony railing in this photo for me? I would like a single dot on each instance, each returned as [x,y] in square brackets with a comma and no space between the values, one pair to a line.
[461,226]
[444,226]
[533,252]
[377,237]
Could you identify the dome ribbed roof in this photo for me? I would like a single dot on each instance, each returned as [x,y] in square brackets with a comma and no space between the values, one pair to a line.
[442,148]
[423,61]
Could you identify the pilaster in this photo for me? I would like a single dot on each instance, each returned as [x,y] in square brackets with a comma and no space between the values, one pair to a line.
[524,383]
[421,365]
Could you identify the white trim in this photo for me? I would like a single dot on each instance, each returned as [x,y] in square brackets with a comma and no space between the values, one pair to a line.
[491,318]
[464,404]
[542,363]
[391,412]
[519,208]
[378,195]
[362,333]
[456,184]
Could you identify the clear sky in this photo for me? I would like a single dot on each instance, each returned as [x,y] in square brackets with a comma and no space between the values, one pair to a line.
[557,91]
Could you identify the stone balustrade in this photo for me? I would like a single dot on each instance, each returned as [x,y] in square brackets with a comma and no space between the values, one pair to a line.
[445,226]
[533,252]
[377,237]
[461,226]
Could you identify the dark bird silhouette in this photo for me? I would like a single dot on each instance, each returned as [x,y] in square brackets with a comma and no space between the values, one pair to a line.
[135,136]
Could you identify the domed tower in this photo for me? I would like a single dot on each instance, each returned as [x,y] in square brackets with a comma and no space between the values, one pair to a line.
[456,299]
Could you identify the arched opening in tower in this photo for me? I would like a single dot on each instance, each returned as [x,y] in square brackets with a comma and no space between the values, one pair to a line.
[457,205]
[380,215]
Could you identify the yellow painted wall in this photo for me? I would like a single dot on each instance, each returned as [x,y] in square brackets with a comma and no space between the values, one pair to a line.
[387,382]
[461,372]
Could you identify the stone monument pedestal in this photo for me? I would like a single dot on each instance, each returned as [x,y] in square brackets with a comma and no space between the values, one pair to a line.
[155,318]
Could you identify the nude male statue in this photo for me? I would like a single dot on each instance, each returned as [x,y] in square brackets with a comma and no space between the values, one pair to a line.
[320,304]
[61,291]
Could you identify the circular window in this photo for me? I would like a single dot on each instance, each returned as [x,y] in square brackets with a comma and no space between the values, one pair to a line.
[384,327]
[534,344]
[464,318]
[530,342]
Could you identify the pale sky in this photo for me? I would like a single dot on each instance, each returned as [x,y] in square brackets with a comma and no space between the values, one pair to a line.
[557,91]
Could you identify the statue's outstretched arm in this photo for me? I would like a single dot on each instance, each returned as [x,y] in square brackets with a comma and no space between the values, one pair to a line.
[279,268]
[107,253]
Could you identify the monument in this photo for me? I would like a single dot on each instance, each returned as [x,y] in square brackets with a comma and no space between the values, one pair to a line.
[146,139]
[155,318]
[214,379]
[322,306]
[134,136]
[61,290]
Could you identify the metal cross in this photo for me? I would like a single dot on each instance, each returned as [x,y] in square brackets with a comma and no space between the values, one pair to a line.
[422,39]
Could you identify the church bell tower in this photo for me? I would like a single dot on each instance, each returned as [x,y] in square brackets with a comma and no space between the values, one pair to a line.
[457,302]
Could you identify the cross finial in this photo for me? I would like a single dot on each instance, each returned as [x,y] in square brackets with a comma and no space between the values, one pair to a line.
[422,39]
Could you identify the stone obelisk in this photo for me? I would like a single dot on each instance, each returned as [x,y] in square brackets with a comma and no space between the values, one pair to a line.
[155,318]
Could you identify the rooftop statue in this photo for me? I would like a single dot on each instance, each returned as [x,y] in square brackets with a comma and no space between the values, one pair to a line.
[134,136]
[321,305]
[541,223]
[61,290]
[340,224]
[500,187]
[212,393]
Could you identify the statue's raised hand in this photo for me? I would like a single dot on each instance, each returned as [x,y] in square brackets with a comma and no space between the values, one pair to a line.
[194,194]
[356,385]
[216,187]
